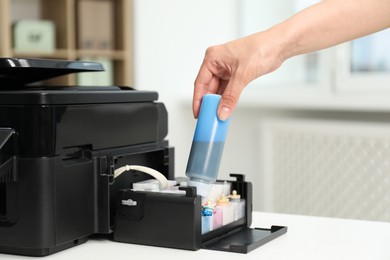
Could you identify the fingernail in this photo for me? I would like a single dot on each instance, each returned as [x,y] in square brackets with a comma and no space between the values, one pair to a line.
[224,113]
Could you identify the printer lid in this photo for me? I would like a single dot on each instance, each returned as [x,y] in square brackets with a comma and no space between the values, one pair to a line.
[16,72]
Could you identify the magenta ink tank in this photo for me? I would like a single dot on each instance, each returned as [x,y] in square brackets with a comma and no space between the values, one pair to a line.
[207,146]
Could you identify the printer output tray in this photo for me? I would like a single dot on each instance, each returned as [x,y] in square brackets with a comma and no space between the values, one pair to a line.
[244,240]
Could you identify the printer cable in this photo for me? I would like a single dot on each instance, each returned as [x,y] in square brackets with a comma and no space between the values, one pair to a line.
[152,172]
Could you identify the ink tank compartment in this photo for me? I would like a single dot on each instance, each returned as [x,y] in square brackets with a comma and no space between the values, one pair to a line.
[175,221]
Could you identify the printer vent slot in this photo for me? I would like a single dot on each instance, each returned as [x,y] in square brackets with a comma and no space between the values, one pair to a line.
[3,201]
[7,171]
[9,205]
[8,155]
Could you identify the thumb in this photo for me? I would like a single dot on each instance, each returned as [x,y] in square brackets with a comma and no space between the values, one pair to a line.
[229,100]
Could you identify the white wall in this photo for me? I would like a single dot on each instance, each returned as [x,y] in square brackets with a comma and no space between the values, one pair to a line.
[171,37]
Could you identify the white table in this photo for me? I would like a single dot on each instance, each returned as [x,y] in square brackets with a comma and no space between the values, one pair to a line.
[307,238]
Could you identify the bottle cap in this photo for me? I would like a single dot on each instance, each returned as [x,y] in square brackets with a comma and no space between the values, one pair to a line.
[208,208]
[223,200]
[235,196]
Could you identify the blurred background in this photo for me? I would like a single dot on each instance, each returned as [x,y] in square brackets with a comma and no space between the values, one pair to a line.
[312,137]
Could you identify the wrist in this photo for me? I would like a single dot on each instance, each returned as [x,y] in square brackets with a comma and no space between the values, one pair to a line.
[284,40]
[272,49]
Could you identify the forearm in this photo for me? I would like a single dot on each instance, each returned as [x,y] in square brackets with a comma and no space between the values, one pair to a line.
[329,23]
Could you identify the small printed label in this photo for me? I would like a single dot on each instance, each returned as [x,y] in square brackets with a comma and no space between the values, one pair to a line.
[129,202]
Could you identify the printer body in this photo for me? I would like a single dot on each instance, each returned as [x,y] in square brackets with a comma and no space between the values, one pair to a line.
[57,178]
[59,148]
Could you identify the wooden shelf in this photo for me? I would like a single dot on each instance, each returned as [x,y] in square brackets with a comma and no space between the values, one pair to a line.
[57,54]
[64,14]
[5,42]
[111,54]
[66,53]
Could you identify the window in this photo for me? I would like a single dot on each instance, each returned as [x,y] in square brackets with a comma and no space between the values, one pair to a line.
[360,66]
[301,72]
[364,65]
[371,53]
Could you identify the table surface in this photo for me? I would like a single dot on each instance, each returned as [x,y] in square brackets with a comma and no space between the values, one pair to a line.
[307,238]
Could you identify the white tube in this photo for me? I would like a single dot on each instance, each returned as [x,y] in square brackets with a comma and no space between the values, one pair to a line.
[152,172]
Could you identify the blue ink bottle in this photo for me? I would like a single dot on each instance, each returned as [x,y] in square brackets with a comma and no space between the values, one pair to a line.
[207,146]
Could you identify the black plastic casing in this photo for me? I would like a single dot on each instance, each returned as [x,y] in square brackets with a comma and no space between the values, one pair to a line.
[58,150]
[171,220]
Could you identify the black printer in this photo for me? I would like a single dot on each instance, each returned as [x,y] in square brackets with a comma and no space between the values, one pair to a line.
[59,148]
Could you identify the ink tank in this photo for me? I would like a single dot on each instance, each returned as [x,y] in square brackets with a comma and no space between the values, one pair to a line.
[207,146]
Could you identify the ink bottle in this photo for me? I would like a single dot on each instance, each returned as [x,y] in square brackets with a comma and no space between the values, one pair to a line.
[207,146]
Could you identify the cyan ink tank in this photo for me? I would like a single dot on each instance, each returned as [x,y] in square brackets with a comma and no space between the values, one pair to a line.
[207,146]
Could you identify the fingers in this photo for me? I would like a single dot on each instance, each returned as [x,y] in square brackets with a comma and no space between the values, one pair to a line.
[229,88]
[215,77]
[200,88]
[229,98]
[205,83]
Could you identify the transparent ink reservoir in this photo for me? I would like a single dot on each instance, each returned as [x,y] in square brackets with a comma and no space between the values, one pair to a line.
[207,146]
